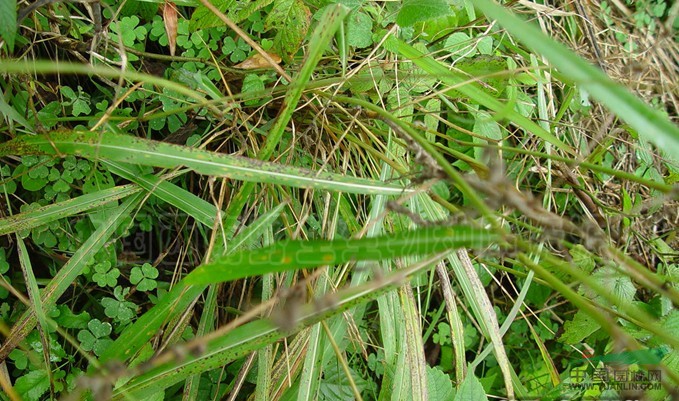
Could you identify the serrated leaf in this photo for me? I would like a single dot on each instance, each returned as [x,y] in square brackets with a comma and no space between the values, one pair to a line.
[583,258]
[581,327]
[433,107]
[619,283]
[252,83]
[8,22]
[486,127]
[291,19]
[439,385]
[203,18]
[471,390]
[32,385]
[414,11]
[359,30]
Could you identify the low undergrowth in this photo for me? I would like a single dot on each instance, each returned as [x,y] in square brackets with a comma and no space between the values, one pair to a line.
[315,199]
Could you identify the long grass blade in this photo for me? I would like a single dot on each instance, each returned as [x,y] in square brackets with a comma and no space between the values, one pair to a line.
[47,214]
[128,149]
[196,207]
[293,255]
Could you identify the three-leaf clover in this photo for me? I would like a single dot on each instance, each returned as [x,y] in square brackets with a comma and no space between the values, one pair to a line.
[7,184]
[118,308]
[95,338]
[105,275]
[19,358]
[80,102]
[144,277]
[34,171]
[442,336]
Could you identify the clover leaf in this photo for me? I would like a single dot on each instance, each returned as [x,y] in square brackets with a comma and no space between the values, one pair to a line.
[19,358]
[118,308]
[7,184]
[95,338]
[79,102]
[144,277]
[105,275]
[442,337]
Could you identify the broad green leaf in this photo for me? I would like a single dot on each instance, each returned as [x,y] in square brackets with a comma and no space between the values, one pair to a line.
[293,255]
[202,18]
[335,384]
[439,385]
[252,83]
[8,22]
[460,45]
[291,20]
[359,30]
[414,11]
[128,149]
[486,127]
[578,329]
[32,385]
[471,390]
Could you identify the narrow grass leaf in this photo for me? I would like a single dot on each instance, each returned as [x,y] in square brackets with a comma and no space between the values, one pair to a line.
[59,210]
[128,149]
[415,365]
[36,302]
[195,206]
[294,255]
[471,390]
